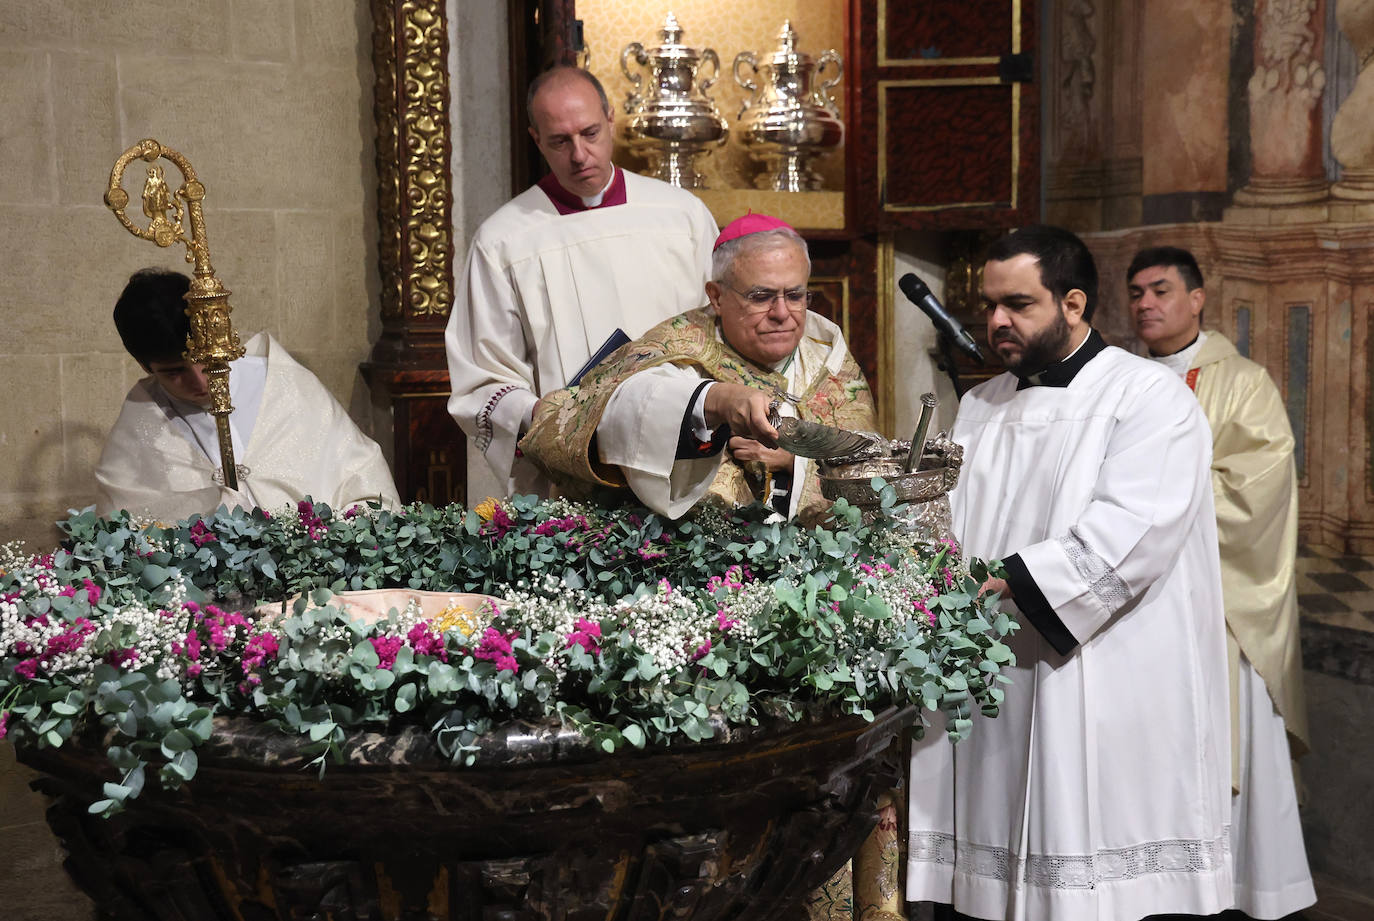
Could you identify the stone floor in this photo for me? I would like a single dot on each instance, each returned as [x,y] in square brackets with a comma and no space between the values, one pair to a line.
[1336,599]
[1336,590]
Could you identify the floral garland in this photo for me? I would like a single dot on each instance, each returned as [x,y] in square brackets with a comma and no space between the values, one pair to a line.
[635,629]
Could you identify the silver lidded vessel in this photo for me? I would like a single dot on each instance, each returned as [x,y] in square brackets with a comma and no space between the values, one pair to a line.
[787,123]
[672,120]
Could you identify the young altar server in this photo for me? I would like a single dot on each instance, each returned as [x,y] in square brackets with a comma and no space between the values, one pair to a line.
[291,438]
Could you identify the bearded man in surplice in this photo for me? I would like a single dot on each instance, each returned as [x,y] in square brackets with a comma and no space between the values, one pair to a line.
[1102,790]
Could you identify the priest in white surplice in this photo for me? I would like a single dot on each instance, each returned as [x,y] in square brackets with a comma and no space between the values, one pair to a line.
[1102,790]
[1254,485]
[557,270]
[291,438]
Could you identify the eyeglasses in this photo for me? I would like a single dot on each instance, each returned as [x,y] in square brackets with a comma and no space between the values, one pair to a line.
[759,300]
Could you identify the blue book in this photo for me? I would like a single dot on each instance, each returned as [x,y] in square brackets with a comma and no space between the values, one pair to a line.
[614,341]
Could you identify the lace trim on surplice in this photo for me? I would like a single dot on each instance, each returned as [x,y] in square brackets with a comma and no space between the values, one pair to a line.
[1102,579]
[1068,871]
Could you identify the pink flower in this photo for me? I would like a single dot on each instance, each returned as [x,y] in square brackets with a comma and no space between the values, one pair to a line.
[734,577]
[920,605]
[259,648]
[587,635]
[27,669]
[352,510]
[702,650]
[426,642]
[724,621]
[201,535]
[92,591]
[949,577]
[314,525]
[387,647]
[646,551]
[122,657]
[194,669]
[556,525]
[4,723]
[500,523]
[70,639]
[495,646]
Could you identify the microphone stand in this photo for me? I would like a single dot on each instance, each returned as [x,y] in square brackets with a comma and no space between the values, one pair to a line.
[948,363]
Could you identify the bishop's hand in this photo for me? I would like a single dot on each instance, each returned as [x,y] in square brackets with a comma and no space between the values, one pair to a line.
[743,409]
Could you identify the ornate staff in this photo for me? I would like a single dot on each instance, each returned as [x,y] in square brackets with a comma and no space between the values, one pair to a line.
[212,342]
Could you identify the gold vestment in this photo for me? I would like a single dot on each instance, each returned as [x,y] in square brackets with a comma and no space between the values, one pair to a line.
[1255,486]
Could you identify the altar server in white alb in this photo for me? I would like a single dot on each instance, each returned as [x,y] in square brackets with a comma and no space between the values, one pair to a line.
[1102,790]
[555,271]
[1254,485]
[291,438]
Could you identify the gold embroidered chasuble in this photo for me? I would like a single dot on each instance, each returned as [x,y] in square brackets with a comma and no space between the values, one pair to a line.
[1254,483]
[561,438]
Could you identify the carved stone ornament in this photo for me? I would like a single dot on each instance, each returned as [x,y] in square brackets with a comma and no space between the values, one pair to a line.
[1352,130]
[1285,93]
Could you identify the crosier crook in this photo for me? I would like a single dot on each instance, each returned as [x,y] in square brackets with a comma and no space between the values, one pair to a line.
[212,342]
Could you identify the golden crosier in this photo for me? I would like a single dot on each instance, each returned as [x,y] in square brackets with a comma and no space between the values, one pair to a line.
[212,342]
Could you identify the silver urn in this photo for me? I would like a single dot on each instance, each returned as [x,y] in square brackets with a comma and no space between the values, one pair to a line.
[924,490]
[672,121]
[787,123]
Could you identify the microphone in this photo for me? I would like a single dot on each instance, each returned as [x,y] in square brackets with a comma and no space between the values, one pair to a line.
[918,292]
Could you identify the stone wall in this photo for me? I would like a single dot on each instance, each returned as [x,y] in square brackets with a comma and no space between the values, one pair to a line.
[271,101]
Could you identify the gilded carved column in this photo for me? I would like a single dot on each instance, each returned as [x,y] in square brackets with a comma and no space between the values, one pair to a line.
[1352,131]
[1285,93]
[415,247]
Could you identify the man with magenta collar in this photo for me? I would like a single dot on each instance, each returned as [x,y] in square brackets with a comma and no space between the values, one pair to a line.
[558,269]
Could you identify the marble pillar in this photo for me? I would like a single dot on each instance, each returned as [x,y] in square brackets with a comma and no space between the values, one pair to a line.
[1352,131]
[1285,93]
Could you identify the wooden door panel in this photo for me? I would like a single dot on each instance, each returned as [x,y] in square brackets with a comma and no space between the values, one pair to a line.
[946,109]
[949,31]
[928,170]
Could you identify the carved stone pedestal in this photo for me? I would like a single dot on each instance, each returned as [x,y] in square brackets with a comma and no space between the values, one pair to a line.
[543,826]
